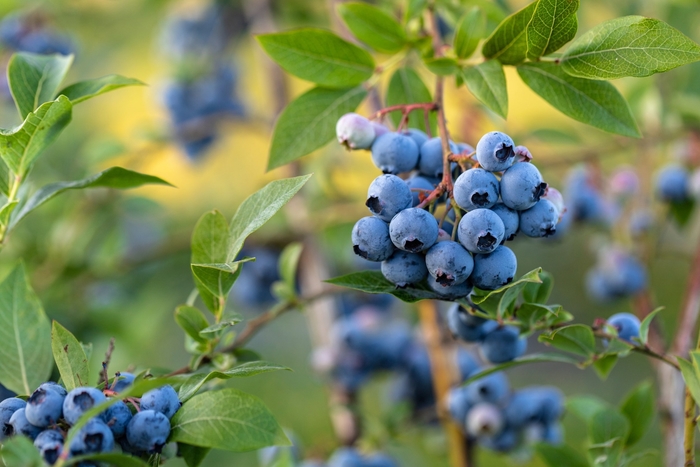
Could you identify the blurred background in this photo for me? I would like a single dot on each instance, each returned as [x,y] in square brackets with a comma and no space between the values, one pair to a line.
[109,264]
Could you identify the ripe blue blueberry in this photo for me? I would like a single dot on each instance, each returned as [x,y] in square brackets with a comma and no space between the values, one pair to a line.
[122,381]
[458,405]
[503,344]
[540,220]
[54,387]
[420,188]
[117,417]
[44,406]
[495,269]
[163,399]
[418,136]
[404,268]
[370,239]
[485,420]
[538,404]
[552,433]
[7,408]
[522,186]
[346,457]
[449,263]
[494,151]
[387,196]
[476,188]
[672,184]
[584,200]
[510,218]
[354,131]
[94,437]
[80,400]
[481,231]
[430,162]
[395,153]
[50,444]
[413,230]
[627,325]
[449,292]
[148,431]
[468,327]
[617,274]
[464,149]
[492,388]
[507,440]
[19,425]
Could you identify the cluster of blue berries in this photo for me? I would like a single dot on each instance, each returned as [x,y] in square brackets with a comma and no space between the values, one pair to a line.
[408,239]
[617,274]
[47,416]
[674,184]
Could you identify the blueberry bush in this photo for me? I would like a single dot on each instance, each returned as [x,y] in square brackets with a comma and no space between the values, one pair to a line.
[442,212]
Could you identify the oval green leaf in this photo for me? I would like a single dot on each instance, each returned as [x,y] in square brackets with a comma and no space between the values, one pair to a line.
[470,31]
[488,84]
[553,24]
[373,26]
[70,357]
[508,43]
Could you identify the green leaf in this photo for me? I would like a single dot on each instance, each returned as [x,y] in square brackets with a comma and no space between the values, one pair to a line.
[215,329]
[608,430]
[596,103]
[259,207]
[532,358]
[289,262]
[470,31]
[34,79]
[682,211]
[604,365]
[415,8]
[84,90]
[497,302]
[553,24]
[228,419]
[25,335]
[508,43]
[406,87]
[442,66]
[488,84]
[561,455]
[6,211]
[539,293]
[70,358]
[628,46]
[192,321]
[373,26]
[585,407]
[114,177]
[375,282]
[646,323]
[195,382]
[308,122]
[639,407]
[690,376]
[577,338]
[111,458]
[192,455]
[20,146]
[319,56]
[19,451]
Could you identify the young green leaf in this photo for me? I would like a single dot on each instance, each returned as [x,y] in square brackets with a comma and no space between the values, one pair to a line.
[508,43]
[228,419]
[561,455]
[19,451]
[639,407]
[415,8]
[497,302]
[375,282]
[34,79]
[596,103]
[289,262]
[217,329]
[441,66]
[84,90]
[604,365]
[192,455]
[25,335]
[646,323]
[192,321]
[577,339]
[608,430]
[690,376]
[115,177]
[488,84]
[406,87]
[20,146]
[373,26]
[539,293]
[628,46]
[553,24]
[258,208]
[70,357]
[470,31]
[319,56]
[532,358]
[308,122]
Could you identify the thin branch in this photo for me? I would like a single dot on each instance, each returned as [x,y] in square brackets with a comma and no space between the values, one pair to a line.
[689,430]
[405,108]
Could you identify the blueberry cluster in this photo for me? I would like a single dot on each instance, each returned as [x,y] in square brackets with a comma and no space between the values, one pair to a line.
[29,32]
[351,457]
[47,416]
[410,242]
[675,184]
[616,274]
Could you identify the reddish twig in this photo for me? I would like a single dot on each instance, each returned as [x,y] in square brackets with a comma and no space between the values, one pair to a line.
[405,108]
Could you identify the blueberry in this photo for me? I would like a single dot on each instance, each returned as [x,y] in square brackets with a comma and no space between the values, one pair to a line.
[413,230]
[494,151]
[552,433]
[404,268]
[492,388]
[617,274]
[387,196]
[672,184]
[163,399]
[522,186]
[449,263]
[122,381]
[555,197]
[44,407]
[464,149]
[431,157]
[50,444]
[503,344]
[80,400]
[394,153]
[370,239]
[540,220]
[94,437]
[481,231]
[54,387]
[495,269]
[458,405]
[418,136]
[7,408]
[21,426]
[449,292]
[379,129]
[485,420]
[510,218]
[536,404]
[476,188]
[354,131]
[507,440]
[467,327]
[346,457]
[627,325]
[148,431]
[117,417]
[420,188]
